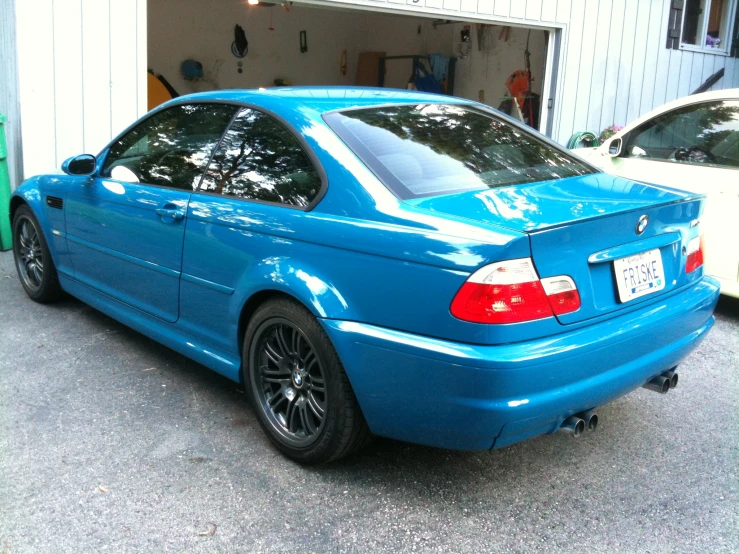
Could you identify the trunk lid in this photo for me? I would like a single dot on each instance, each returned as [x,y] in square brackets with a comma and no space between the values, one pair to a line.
[581,225]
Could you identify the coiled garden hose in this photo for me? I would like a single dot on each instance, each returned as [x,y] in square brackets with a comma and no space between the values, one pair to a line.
[583,139]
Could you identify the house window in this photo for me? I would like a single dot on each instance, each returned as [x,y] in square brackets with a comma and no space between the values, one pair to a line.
[706,25]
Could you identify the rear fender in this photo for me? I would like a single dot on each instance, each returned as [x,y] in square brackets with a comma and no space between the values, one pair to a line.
[279,277]
[305,283]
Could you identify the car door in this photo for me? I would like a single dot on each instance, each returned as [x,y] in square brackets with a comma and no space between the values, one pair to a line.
[125,225]
[695,148]
[257,185]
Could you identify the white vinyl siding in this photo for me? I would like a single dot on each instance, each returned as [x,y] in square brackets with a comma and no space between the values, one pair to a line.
[614,64]
[9,90]
[82,75]
[82,64]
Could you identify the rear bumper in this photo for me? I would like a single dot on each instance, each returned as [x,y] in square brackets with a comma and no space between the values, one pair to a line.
[472,397]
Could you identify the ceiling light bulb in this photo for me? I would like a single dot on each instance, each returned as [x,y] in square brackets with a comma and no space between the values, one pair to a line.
[252,2]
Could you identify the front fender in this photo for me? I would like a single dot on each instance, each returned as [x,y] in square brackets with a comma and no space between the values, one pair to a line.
[33,192]
[29,193]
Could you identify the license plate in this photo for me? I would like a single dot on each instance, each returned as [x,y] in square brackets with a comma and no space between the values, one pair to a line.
[639,275]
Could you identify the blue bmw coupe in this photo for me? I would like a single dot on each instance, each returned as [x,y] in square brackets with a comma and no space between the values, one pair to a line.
[368,261]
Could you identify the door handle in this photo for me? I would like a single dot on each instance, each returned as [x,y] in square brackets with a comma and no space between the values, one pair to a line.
[174,213]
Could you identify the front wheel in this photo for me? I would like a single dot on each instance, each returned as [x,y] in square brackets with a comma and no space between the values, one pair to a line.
[32,258]
[298,387]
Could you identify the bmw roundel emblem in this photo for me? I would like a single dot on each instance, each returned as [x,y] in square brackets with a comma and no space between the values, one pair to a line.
[641,225]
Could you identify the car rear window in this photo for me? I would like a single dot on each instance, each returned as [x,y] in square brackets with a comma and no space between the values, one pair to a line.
[436,149]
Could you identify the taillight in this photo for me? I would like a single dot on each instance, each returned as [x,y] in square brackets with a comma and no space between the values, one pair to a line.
[695,255]
[511,292]
[562,294]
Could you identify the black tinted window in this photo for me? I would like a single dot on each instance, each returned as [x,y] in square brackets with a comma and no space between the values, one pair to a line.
[705,134]
[172,147]
[261,160]
[435,149]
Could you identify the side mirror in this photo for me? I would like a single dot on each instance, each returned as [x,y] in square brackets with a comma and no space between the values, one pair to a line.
[84,164]
[614,149]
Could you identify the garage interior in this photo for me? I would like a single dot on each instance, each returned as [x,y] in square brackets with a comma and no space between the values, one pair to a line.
[194,45]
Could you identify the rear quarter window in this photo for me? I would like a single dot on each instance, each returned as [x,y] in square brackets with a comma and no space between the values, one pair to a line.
[259,159]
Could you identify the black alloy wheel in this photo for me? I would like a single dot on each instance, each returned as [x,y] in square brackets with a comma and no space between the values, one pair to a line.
[297,385]
[289,382]
[32,258]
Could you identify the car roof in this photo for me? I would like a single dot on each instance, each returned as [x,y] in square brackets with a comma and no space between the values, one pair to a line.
[320,99]
[723,94]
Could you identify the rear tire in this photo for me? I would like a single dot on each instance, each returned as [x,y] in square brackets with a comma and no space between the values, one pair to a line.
[297,386]
[33,261]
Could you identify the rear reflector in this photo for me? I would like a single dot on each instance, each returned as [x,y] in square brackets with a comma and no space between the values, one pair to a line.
[695,255]
[511,292]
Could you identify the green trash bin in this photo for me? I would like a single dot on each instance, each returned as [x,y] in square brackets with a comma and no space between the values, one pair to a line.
[6,242]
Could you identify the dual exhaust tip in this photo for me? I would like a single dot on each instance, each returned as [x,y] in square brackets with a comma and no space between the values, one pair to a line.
[663,383]
[577,424]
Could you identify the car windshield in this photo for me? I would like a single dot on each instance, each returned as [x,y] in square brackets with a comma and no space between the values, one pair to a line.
[436,149]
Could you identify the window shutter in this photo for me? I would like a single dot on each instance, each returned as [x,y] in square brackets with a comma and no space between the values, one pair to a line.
[674,24]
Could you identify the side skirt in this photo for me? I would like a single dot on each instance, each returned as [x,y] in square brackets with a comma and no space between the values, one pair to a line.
[168,334]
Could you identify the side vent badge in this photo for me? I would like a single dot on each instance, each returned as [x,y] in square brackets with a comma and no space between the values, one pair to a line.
[55,202]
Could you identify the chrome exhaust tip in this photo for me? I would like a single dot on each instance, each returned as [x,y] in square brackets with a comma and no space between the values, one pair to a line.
[590,418]
[572,425]
[659,384]
[672,376]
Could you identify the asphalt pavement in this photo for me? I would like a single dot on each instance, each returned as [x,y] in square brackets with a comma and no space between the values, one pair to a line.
[112,442]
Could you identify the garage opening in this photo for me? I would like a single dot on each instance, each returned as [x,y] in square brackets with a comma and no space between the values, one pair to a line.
[201,45]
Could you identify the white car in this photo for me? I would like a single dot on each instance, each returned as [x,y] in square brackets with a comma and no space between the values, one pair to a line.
[690,144]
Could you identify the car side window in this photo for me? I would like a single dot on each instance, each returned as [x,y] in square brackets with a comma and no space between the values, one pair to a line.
[172,147]
[699,134]
[260,159]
